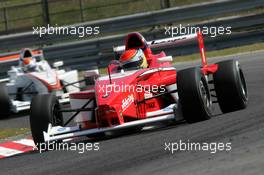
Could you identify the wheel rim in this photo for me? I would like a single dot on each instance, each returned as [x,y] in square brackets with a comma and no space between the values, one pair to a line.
[242,81]
[205,94]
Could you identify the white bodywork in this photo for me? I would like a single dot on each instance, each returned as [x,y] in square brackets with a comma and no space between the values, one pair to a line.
[82,116]
[37,82]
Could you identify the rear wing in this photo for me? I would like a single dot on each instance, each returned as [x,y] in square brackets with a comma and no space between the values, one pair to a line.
[173,41]
[15,56]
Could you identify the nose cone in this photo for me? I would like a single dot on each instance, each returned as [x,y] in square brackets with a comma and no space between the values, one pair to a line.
[121,86]
[108,97]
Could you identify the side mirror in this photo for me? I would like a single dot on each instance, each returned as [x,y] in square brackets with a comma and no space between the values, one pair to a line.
[165,59]
[114,66]
[57,64]
[90,76]
[92,73]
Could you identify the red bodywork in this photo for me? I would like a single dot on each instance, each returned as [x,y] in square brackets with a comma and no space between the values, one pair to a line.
[115,108]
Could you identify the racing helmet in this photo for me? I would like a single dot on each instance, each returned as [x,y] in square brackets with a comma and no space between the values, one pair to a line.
[133,58]
[29,64]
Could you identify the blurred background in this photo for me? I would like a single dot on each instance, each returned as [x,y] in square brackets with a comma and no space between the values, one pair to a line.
[116,18]
[21,15]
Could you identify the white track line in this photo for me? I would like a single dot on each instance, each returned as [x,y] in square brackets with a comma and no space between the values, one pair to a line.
[6,152]
[27,142]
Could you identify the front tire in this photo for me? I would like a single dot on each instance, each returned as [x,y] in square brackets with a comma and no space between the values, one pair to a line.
[230,86]
[44,110]
[194,95]
[5,102]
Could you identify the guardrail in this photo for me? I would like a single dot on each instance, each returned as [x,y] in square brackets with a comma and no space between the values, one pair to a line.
[122,24]
[100,50]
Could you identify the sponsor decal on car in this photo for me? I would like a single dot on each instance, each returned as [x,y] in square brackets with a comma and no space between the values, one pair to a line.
[148,95]
[126,102]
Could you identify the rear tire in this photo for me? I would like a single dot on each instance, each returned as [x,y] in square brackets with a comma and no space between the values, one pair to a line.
[230,86]
[194,95]
[5,102]
[44,111]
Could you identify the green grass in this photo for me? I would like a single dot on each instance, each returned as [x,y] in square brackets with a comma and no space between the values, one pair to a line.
[6,3]
[63,12]
[10,132]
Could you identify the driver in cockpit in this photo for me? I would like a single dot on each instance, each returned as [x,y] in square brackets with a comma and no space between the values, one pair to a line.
[133,59]
[28,64]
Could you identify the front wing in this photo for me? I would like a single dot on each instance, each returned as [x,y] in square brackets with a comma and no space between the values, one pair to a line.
[62,133]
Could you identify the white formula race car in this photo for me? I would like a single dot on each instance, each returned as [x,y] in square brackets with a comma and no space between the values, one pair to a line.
[33,76]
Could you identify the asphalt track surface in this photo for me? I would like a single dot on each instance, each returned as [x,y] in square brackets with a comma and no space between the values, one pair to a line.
[144,153]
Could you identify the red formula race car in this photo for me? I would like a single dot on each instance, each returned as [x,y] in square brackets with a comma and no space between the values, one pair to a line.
[129,99]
